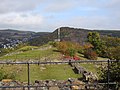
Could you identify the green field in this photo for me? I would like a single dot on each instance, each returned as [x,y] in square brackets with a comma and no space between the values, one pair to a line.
[41,72]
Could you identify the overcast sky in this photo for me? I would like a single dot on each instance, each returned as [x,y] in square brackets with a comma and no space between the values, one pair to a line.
[47,15]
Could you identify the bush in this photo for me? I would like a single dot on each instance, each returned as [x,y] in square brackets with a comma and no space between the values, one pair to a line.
[71,52]
[90,54]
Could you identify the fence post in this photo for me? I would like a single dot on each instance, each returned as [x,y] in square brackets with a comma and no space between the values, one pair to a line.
[28,69]
[108,74]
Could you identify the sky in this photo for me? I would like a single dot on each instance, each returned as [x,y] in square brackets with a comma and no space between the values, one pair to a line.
[48,15]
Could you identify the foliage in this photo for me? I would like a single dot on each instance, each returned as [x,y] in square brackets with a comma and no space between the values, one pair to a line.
[94,39]
[88,46]
[90,54]
[62,47]
[111,41]
[71,52]
[111,47]
[114,53]
[80,49]
[114,72]
[68,48]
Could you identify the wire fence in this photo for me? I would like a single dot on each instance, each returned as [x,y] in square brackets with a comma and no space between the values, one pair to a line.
[61,85]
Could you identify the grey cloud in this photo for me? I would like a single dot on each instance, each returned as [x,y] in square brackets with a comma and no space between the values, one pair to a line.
[20,21]
[7,6]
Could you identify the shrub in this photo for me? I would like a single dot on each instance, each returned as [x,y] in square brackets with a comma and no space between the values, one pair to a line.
[90,54]
[71,52]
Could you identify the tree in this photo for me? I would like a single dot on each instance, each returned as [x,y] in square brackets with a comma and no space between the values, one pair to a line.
[94,39]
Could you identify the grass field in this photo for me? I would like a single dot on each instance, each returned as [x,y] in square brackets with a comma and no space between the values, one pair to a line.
[36,54]
[41,72]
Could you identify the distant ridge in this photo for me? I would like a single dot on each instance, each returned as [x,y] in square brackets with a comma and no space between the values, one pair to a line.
[71,34]
[8,36]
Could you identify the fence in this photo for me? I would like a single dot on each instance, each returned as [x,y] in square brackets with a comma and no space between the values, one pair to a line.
[45,86]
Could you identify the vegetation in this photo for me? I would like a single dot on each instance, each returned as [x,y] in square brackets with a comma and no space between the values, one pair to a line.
[114,74]
[95,46]
[41,72]
[90,67]
[70,34]
[27,48]
[4,51]
[67,48]
[94,39]
[90,54]
[37,54]
[6,75]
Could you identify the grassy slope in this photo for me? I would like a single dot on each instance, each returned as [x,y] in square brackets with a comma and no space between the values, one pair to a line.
[36,54]
[43,72]
[59,72]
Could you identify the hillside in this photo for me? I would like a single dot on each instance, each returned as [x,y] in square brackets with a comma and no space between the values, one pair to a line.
[71,34]
[41,72]
[11,37]
[37,72]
